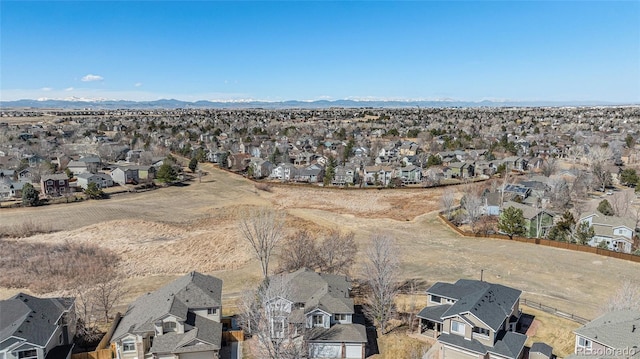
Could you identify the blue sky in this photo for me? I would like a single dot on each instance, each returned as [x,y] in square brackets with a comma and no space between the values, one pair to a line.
[216,50]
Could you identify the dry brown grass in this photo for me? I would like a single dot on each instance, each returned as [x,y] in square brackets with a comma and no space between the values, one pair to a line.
[400,345]
[46,267]
[167,232]
[555,331]
[27,228]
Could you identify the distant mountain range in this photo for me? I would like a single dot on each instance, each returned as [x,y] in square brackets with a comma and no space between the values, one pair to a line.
[174,104]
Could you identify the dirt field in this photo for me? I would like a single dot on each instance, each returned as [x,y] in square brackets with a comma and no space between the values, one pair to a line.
[167,232]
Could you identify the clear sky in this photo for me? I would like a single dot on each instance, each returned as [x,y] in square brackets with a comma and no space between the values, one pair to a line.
[274,51]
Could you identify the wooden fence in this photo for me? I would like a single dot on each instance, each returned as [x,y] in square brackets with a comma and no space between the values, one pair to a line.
[96,354]
[233,336]
[104,350]
[546,242]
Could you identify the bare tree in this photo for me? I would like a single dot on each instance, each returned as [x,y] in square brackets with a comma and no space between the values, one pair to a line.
[107,293]
[472,204]
[299,251]
[597,158]
[265,316]
[560,193]
[627,297]
[337,252]
[550,166]
[263,229]
[447,200]
[380,271]
[621,203]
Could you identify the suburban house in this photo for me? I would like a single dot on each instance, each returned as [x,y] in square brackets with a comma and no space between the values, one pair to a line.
[537,221]
[614,335]
[462,170]
[515,163]
[617,232]
[260,168]
[309,174]
[55,184]
[319,308]
[179,321]
[100,179]
[491,203]
[123,175]
[377,175]
[11,189]
[345,175]
[284,172]
[473,319]
[77,167]
[36,328]
[410,174]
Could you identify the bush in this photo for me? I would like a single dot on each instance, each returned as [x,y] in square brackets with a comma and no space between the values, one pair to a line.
[264,187]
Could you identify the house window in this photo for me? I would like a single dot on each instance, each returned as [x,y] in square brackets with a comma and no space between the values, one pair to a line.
[481,331]
[457,327]
[61,182]
[436,299]
[169,327]
[340,317]
[584,343]
[50,182]
[278,327]
[128,345]
[212,311]
[318,320]
[26,354]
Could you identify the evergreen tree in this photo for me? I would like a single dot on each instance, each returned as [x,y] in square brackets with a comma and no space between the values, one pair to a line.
[511,222]
[30,196]
[605,208]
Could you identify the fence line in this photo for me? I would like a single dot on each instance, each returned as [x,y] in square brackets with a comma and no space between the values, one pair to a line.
[546,242]
[555,311]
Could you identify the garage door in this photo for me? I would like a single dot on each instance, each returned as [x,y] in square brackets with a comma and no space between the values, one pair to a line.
[354,351]
[321,350]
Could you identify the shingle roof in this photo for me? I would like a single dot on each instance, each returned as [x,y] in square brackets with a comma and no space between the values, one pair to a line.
[614,329]
[434,313]
[491,303]
[509,346]
[31,318]
[542,348]
[349,333]
[194,290]
[328,292]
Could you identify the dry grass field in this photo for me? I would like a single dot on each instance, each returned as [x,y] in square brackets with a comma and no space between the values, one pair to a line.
[167,232]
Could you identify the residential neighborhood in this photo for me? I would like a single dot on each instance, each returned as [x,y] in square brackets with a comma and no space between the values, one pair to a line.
[234,192]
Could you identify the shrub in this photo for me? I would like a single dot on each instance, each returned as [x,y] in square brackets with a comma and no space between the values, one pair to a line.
[264,187]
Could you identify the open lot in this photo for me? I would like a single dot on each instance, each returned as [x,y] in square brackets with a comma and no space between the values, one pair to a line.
[167,232]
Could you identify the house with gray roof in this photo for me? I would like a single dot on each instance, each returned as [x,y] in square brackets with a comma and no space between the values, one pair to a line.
[613,335]
[37,328]
[101,180]
[179,321]
[616,232]
[473,319]
[318,307]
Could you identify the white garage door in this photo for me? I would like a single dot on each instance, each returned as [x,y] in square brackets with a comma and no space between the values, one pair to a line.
[320,350]
[354,351]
